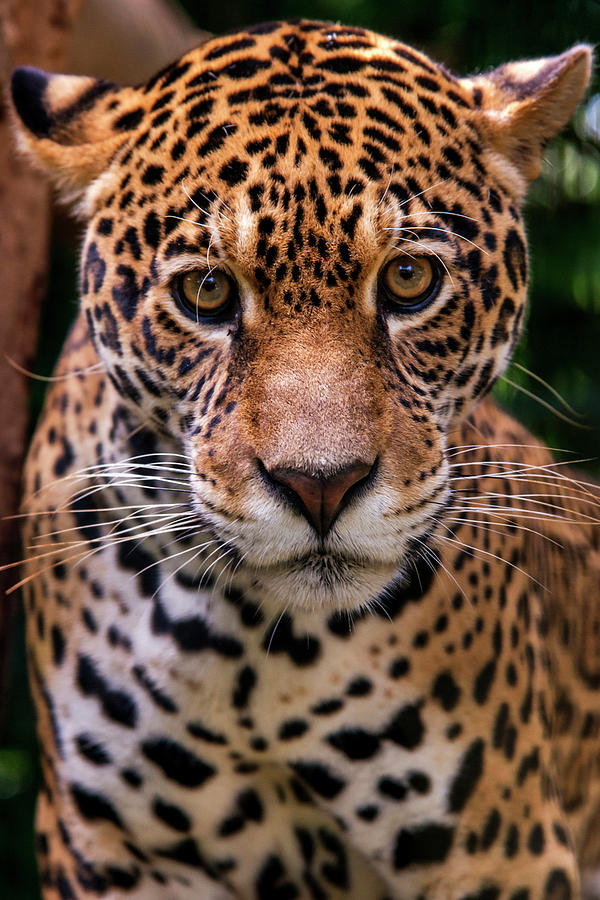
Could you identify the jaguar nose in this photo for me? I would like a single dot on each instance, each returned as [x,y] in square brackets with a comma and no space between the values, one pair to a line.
[319,498]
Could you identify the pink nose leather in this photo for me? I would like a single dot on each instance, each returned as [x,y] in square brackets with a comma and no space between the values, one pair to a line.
[321,499]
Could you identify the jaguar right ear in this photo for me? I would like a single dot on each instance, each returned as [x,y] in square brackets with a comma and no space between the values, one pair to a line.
[523,104]
[70,126]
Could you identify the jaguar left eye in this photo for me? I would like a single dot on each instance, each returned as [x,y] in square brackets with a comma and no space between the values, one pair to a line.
[409,283]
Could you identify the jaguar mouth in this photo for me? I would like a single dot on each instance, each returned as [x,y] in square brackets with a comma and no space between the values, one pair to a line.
[323,564]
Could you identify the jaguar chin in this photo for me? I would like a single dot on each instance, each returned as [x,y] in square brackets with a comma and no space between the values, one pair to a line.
[324,580]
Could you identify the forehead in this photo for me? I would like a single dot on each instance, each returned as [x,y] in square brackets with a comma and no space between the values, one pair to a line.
[341,106]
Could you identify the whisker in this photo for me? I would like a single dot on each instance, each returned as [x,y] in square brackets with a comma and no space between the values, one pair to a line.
[50,379]
[436,212]
[548,387]
[102,543]
[481,551]
[486,526]
[80,476]
[225,553]
[445,231]
[235,568]
[387,186]
[283,612]
[197,552]
[109,522]
[578,495]
[527,514]
[433,253]
[222,543]
[208,200]
[523,468]
[428,550]
[90,509]
[375,602]
[191,221]
[467,448]
[545,404]
[431,187]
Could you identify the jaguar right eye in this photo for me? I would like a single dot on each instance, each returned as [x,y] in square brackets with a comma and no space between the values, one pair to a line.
[208,295]
[408,283]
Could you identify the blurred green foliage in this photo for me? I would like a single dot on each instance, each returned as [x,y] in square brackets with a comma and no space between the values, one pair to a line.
[561,342]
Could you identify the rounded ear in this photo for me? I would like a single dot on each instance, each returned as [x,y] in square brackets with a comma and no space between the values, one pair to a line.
[526,103]
[69,125]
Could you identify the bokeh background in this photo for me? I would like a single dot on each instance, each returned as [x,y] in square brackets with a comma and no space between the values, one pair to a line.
[561,342]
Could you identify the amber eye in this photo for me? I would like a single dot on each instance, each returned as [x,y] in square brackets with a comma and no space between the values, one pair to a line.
[205,295]
[409,282]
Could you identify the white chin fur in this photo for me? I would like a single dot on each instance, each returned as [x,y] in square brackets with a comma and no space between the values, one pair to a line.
[349,586]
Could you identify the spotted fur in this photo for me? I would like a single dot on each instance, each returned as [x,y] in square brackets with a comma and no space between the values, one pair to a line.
[233,699]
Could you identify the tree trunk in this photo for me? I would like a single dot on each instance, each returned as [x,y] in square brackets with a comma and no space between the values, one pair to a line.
[32,32]
[94,37]
[127,41]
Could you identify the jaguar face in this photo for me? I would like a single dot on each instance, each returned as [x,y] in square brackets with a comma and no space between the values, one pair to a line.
[304,264]
[301,398]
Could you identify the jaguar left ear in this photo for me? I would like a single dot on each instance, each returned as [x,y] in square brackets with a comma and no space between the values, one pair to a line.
[526,103]
[70,125]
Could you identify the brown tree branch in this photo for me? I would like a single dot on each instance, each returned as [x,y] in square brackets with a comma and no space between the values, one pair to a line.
[33,32]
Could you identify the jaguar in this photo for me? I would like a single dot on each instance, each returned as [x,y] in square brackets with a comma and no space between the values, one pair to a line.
[308,615]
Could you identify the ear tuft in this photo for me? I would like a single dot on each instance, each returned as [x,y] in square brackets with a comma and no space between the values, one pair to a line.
[63,108]
[28,87]
[526,103]
[66,125]
[565,76]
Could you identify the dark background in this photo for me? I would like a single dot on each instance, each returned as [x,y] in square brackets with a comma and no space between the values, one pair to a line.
[561,342]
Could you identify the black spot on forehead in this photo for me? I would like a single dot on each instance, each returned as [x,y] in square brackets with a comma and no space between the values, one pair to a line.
[242,43]
[169,75]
